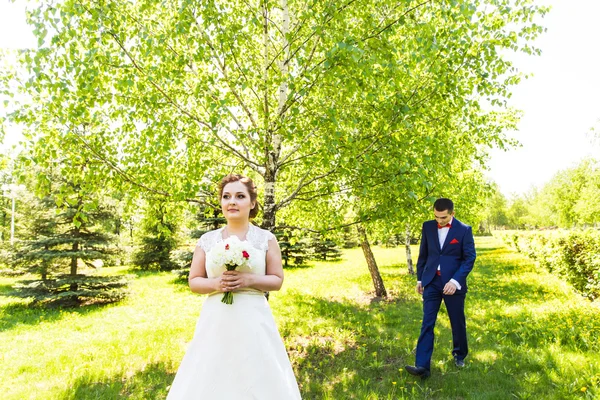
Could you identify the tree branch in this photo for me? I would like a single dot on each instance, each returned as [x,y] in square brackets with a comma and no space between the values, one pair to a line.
[285,161]
[394,22]
[303,183]
[334,228]
[158,88]
[222,69]
[177,106]
[126,177]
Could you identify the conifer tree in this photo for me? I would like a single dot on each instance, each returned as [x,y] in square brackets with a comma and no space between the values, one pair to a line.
[158,238]
[63,240]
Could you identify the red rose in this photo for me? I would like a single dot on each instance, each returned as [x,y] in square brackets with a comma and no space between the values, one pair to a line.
[227,246]
[245,254]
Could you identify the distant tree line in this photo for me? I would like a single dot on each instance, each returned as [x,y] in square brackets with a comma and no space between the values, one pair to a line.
[569,200]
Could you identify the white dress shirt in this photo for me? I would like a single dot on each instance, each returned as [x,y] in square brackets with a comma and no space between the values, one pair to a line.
[442,234]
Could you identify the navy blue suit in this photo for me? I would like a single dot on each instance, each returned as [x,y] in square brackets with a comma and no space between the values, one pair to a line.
[455,259]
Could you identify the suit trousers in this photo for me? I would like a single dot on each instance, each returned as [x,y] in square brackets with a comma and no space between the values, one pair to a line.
[455,305]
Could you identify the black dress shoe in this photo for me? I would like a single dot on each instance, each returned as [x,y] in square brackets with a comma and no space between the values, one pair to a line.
[459,363]
[417,371]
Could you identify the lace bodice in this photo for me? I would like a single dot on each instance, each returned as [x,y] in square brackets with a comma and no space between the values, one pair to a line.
[258,238]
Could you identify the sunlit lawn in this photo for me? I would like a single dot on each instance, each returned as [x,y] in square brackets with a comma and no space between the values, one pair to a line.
[530,336]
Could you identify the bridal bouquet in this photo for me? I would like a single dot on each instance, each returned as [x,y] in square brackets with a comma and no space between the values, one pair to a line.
[232,253]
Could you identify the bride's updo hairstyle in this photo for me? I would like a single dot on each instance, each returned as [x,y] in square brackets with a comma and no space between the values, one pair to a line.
[249,185]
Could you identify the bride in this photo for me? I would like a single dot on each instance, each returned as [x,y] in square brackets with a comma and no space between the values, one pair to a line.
[236,352]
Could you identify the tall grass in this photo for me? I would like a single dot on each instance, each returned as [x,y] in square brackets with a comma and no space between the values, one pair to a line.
[530,336]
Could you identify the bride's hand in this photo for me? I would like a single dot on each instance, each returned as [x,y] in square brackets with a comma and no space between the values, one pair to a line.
[234,280]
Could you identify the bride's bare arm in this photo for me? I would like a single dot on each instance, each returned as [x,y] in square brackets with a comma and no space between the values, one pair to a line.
[271,281]
[198,280]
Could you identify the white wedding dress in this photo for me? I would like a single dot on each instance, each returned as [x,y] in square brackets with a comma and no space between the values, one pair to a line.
[236,352]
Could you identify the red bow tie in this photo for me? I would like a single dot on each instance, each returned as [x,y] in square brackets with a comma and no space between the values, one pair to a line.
[445,226]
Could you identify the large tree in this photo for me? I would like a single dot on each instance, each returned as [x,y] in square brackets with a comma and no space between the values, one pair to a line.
[323,102]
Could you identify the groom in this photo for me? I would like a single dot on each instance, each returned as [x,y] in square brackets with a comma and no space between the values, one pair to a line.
[446,256]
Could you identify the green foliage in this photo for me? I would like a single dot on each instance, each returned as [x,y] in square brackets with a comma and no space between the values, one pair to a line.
[349,237]
[73,290]
[295,249]
[182,261]
[67,237]
[324,249]
[208,219]
[342,108]
[5,204]
[573,255]
[563,192]
[182,258]
[496,210]
[579,261]
[520,215]
[61,238]
[587,206]
[158,238]
[338,113]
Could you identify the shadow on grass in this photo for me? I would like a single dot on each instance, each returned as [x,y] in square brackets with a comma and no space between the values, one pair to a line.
[497,276]
[358,350]
[150,383]
[140,273]
[27,313]
[507,291]
[488,248]
[355,345]
[512,353]
[294,267]
[5,289]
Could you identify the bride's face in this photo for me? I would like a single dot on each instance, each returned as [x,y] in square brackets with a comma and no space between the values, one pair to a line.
[235,201]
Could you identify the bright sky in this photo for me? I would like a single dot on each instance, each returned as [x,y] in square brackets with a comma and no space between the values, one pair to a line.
[561,101]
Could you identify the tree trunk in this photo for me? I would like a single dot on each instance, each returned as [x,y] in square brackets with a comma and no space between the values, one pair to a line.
[377,281]
[130,230]
[269,202]
[409,260]
[216,224]
[75,248]
[45,264]
[273,144]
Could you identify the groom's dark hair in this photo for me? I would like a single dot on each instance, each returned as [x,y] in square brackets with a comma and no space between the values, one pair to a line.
[442,204]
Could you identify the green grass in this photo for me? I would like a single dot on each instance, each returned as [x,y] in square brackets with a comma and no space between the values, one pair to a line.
[530,336]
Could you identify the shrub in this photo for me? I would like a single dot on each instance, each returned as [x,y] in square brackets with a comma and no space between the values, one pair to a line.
[573,255]
[578,260]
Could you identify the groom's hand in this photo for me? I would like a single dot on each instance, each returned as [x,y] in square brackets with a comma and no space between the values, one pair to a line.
[419,288]
[449,288]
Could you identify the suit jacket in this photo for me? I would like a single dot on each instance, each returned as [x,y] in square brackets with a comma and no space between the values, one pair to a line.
[456,258]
